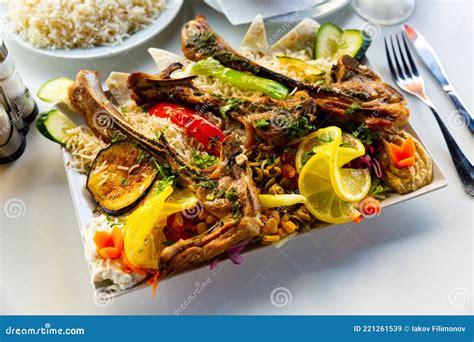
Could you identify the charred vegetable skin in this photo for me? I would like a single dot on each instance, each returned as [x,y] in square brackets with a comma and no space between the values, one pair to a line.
[120,177]
[196,126]
[381,106]
[239,79]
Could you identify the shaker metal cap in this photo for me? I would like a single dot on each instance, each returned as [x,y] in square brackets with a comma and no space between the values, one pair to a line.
[3,50]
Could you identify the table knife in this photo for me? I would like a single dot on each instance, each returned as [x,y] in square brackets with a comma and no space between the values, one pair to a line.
[432,62]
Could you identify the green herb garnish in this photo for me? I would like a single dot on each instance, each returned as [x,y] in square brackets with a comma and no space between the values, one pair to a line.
[378,189]
[231,194]
[352,108]
[262,123]
[203,160]
[365,134]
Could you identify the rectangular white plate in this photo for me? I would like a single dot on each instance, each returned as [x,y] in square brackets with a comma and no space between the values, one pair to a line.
[84,204]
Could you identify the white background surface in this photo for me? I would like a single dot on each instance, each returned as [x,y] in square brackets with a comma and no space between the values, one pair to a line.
[416,258]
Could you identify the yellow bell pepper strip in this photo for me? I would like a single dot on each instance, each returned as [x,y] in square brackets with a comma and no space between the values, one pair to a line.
[403,156]
[285,200]
[239,79]
[139,246]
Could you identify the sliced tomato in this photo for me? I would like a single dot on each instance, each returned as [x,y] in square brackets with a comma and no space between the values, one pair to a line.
[195,125]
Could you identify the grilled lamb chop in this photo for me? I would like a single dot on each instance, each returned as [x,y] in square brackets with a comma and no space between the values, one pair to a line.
[274,123]
[377,104]
[234,194]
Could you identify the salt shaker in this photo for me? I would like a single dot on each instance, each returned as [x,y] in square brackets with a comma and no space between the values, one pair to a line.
[24,108]
[12,141]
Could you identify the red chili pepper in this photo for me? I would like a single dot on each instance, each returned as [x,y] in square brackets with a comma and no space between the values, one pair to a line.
[195,125]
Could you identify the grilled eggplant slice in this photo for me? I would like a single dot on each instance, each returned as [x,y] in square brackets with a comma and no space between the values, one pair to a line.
[120,177]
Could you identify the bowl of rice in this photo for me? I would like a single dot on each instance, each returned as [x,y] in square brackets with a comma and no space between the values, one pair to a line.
[83,29]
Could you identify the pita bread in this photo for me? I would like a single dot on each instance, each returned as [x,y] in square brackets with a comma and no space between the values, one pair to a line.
[301,37]
[255,39]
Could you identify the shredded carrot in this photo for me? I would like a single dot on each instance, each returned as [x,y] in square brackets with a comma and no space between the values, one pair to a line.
[403,156]
[129,267]
[110,253]
[117,237]
[153,282]
[357,219]
[288,171]
[102,239]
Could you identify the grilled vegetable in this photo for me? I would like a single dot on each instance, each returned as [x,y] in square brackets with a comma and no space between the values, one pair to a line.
[239,79]
[311,72]
[55,90]
[120,177]
[332,42]
[53,125]
[195,125]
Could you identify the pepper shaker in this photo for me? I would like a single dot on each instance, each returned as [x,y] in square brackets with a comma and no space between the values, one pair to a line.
[23,106]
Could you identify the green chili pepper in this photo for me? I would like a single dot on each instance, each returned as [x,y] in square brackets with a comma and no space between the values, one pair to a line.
[239,79]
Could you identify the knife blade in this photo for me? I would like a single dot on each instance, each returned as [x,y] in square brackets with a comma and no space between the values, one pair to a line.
[432,62]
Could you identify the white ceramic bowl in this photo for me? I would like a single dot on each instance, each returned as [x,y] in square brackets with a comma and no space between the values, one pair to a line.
[139,37]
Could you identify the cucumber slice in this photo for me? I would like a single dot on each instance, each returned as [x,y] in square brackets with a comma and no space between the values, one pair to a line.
[332,42]
[53,125]
[355,43]
[55,90]
[328,40]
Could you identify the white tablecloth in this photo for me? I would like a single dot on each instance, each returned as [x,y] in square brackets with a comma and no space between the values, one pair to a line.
[416,258]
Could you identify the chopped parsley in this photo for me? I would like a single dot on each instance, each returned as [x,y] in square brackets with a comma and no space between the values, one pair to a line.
[204,160]
[352,108]
[124,182]
[231,194]
[163,183]
[262,123]
[208,184]
[142,155]
[231,105]
[365,134]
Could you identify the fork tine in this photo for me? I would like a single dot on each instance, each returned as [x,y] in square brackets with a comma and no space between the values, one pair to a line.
[410,59]
[406,69]
[389,59]
[399,68]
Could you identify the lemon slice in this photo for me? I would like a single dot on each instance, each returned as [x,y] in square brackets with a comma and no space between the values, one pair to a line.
[350,185]
[351,148]
[321,200]
[178,201]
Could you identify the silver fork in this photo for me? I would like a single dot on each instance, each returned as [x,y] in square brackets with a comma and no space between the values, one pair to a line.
[406,75]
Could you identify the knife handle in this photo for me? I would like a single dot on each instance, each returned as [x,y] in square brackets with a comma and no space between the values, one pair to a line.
[461,163]
[467,116]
